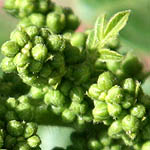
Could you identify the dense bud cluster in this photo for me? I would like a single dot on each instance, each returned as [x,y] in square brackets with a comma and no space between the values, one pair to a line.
[70,78]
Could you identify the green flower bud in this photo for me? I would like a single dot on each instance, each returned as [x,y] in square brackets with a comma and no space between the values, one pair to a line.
[129,85]
[21,60]
[146,145]
[30,129]
[22,146]
[56,43]
[57,110]
[114,109]
[37,19]
[65,87]
[20,37]
[36,93]
[78,39]
[44,32]
[11,103]
[113,43]
[94,144]
[131,64]
[46,70]
[24,22]
[108,122]
[39,52]
[7,65]
[10,48]
[34,141]
[100,112]
[58,61]
[72,21]
[54,97]
[10,142]
[130,123]
[102,96]
[10,115]
[128,101]
[27,49]
[32,31]
[94,91]
[68,115]
[138,111]
[106,80]
[115,129]
[38,40]
[43,5]
[35,66]
[56,22]
[15,128]
[25,111]
[24,99]
[78,108]
[77,94]
[115,95]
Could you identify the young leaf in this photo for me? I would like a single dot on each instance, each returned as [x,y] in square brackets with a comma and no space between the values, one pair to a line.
[108,55]
[115,25]
[99,28]
[90,40]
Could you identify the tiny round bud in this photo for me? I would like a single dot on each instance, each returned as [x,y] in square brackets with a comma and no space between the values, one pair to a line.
[114,109]
[68,115]
[11,103]
[37,19]
[38,40]
[94,144]
[115,129]
[65,87]
[10,141]
[30,129]
[36,93]
[100,112]
[128,101]
[34,141]
[55,22]
[56,43]
[106,80]
[54,97]
[10,115]
[46,70]
[15,128]
[10,48]
[22,146]
[21,60]
[32,31]
[35,66]
[138,111]
[8,65]
[77,94]
[20,37]
[129,85]
[146,145]
[115,95]
[94,91]
[39,52]
[130,123]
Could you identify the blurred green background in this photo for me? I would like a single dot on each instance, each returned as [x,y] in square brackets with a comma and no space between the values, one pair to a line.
[135,36]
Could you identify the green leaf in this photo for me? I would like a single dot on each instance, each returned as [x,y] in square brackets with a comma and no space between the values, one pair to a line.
[90,40]
[115,25]
[99,28]
[108,55]
[137,88]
